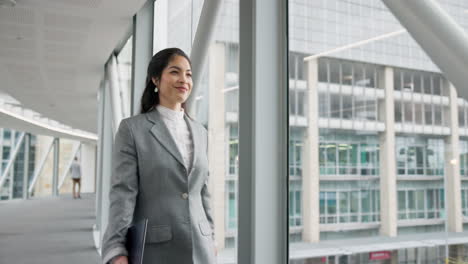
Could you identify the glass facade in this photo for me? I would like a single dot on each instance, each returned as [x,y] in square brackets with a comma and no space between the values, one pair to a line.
[13,185]
[345,153]
[420,156]
[348,88]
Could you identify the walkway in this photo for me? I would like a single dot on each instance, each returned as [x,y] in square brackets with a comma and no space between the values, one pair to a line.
[48,230]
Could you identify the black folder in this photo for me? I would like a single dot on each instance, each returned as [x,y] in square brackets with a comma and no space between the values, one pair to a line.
[135,243]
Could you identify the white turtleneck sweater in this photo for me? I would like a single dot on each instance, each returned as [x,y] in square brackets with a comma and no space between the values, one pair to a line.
[180,132]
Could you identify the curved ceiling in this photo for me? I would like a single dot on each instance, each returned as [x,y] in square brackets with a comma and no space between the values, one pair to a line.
[52,54]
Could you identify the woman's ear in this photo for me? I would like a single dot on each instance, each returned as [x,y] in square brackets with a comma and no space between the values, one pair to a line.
[155,81]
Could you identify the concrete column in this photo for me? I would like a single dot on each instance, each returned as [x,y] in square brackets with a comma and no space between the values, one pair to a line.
[388,183]
[27,143]
[143,23]
[55,175]
[452,165]
[88,165]
[311,177]
[107,140]
[99,160]
[217,143]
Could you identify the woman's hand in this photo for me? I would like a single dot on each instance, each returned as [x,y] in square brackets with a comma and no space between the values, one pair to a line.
[120,260]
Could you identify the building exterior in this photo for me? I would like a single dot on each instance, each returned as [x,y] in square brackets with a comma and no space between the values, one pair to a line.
[378,138]
[38,151]
[13,185]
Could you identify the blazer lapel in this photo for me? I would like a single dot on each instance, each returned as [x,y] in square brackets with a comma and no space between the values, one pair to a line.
[163,136]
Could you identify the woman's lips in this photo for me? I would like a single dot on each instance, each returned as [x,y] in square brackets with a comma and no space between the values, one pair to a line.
[182,89]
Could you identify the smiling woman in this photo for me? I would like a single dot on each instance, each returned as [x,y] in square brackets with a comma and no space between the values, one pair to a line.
[154,154]
[169,80]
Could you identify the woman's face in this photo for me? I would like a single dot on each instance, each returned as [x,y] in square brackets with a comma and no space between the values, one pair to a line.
[175,84]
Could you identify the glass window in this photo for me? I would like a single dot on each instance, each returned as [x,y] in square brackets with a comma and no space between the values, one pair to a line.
[407,82]
[437,115]
[371,113]
[461,116]
[437,85]
[346,73]
[398,112]
[334,75]
[417,81]
[427,84]
[397,80]
[347,107]
[324,105]
[335,105]
[418,113]
[428,114]
[323,73]
[408,108]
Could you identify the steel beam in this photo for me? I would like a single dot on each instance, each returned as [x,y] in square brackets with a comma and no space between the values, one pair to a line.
[201,44]
[443,40]
[55,191]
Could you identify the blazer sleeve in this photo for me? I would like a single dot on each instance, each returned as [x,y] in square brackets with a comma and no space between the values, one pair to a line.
[122,194]
[206,196]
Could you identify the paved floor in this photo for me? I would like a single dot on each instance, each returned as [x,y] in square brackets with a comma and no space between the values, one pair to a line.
[48,230]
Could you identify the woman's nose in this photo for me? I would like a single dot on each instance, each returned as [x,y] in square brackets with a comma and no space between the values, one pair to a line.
[183,79]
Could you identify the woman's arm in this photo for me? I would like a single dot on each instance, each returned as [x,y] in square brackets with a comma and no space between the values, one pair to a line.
[206,195]
[122,194]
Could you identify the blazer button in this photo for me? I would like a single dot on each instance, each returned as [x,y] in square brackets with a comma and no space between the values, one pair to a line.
[185,196]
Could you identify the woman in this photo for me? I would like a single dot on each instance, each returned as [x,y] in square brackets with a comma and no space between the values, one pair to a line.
[160,172]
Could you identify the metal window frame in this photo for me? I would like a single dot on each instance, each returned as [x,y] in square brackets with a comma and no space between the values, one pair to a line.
[12,158]
[263,132]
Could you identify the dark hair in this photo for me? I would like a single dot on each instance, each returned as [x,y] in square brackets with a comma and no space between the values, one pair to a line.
[160,60]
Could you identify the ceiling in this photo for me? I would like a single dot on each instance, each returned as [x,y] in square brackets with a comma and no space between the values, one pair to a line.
[52,54]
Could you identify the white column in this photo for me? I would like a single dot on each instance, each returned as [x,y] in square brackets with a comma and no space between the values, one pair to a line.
[311,177]
[55,175]
[143,23]
[388,182]
[88,168]
[216,138]
[107,138]
[452,165]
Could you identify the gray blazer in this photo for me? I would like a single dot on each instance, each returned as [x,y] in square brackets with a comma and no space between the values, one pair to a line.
[150,180]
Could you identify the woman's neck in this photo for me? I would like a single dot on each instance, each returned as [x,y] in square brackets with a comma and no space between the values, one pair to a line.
[172,106]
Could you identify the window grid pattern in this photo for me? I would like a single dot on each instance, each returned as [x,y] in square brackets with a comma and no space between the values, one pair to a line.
[295,199]
[420,203]
[231,208]
[464,197]
[349,206]
[296,146]
[418,156]
[352,155]
[340,100]
[417,112]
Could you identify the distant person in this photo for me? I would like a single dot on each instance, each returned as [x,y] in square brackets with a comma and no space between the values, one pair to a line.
[160,173]
[75,170]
